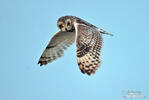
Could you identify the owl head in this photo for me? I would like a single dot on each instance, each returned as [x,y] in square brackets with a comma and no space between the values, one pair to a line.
[65,23]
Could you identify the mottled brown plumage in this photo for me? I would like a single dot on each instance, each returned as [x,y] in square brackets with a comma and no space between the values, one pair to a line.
[89,43]
[88,40]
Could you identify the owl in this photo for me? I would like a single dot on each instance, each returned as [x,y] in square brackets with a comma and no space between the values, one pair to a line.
[88,39]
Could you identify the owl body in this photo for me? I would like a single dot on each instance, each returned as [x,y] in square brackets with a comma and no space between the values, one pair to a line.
[88,40]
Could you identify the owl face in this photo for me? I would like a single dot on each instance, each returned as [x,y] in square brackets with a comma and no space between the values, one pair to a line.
[65,23]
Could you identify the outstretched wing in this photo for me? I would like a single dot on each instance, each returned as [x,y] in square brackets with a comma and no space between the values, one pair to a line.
[55,49]
[89,43]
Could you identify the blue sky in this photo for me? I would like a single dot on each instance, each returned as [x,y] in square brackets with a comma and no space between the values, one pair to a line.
[26,27]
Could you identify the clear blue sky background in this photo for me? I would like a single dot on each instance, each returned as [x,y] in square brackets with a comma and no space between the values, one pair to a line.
[26,27]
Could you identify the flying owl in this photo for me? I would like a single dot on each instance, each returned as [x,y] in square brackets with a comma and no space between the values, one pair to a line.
[88,39]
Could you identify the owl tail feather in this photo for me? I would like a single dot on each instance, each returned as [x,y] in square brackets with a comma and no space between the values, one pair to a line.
[104,32]
[108,34]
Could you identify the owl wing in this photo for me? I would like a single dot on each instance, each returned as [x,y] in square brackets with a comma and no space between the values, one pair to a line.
[89,43]
[55,49]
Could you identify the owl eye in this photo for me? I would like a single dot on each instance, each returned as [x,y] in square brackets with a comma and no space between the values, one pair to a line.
[61,26]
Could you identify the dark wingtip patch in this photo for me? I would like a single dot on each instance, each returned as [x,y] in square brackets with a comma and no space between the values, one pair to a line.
[48,47]
[88,69]
[88,72]
[42,63]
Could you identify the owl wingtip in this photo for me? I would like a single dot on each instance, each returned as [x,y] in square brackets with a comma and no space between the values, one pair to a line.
[89,73]
[40,63]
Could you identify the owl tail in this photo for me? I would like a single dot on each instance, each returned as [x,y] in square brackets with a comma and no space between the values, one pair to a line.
[108,34]
[104,32]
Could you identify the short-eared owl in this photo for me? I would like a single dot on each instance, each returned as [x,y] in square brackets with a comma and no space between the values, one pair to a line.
[88,40]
